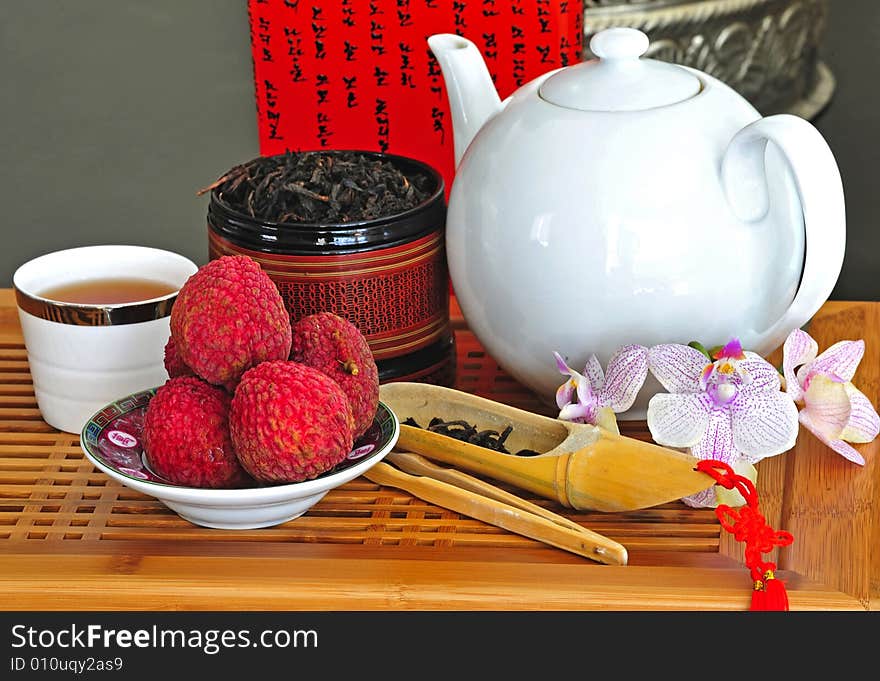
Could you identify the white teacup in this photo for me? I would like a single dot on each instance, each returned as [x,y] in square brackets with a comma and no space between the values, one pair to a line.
[84,356]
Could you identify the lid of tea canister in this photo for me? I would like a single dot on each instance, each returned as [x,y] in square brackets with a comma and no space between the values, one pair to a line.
[619,80]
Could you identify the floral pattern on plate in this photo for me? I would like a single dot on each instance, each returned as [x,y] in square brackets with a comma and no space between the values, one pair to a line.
[114,437]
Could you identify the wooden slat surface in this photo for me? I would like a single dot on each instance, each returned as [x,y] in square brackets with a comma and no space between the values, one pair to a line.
[100,545]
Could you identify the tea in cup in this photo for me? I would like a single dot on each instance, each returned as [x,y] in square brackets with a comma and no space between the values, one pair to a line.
[95,322]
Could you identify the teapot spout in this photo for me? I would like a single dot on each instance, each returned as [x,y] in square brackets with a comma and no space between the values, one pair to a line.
[473,98]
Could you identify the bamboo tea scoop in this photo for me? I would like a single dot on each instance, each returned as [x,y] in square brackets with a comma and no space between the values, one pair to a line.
[580,466]
[580,541]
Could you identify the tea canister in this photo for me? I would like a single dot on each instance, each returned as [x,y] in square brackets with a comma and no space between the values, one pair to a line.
[388,275]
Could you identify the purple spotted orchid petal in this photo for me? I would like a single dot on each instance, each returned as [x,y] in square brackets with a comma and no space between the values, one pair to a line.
[762,374]
[764,423]
[677,367]
[566,391]
[578,412]
[705,499]
[840,360]
[864,422]
[678,419]
[828,406]
[585,407]
[717,440]
[834,410]
[798,350]
[627,371]
[585,394]
[846,450]
[593,371]
[563,368]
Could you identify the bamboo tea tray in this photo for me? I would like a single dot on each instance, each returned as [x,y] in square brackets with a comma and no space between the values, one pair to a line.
[73,539]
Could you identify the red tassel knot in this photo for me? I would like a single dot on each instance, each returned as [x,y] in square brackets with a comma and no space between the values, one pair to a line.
[749,526]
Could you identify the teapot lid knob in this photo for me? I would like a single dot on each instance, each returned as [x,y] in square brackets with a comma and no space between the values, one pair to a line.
[619,43]
[621,79]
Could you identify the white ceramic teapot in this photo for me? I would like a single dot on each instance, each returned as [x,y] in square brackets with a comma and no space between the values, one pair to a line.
[626,200]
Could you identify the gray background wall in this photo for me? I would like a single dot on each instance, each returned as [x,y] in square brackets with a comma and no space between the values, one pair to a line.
[116,112]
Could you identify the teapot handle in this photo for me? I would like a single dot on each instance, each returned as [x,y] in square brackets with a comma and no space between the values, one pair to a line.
[818,182]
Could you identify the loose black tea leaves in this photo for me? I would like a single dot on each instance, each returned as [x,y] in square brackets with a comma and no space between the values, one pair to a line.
[467,432]
[313,187]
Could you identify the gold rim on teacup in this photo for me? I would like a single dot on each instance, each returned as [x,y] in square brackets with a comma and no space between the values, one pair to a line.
[77,314]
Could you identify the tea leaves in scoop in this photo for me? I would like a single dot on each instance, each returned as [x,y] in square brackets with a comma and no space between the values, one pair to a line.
[467,432]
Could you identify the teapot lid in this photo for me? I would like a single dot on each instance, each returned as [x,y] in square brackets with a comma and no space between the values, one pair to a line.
[619,80]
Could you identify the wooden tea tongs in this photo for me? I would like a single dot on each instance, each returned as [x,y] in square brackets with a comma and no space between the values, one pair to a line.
[478,499]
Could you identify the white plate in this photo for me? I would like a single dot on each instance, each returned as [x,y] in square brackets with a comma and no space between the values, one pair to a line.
[111,440]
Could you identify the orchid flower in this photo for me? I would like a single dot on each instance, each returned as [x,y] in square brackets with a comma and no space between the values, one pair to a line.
[731,409]
[833,409]
[598,396]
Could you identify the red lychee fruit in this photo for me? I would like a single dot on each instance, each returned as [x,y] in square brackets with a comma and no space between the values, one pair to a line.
[289,422]
[228,317]
[173,364]
[337,348]
[186,435]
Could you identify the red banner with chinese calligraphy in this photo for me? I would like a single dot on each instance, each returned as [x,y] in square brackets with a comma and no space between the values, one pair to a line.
[358,74]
